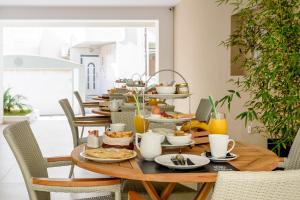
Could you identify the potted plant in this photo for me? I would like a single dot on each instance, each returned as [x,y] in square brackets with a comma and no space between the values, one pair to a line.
[268,38]
[14,105]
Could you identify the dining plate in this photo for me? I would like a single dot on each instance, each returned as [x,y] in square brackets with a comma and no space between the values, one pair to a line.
[167,144]
[167,96]
[195,161]
[231,156]
[167,120]
[107,160]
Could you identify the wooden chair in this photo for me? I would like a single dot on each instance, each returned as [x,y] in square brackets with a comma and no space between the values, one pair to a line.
[83,121]
[87,121]
[203,111]
[293,159]
[126,117]
[84,105]
[34,168]
[257,185]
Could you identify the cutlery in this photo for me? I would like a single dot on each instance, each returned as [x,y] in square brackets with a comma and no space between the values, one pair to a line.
[228,155]
[180,159]
[174,161]
[189,162]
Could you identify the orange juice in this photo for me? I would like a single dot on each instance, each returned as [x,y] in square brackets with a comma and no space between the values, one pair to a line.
[152,102]
[217,126]
[141,124]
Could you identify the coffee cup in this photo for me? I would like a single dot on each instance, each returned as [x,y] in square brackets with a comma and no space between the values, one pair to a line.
[219,145]
[117,127]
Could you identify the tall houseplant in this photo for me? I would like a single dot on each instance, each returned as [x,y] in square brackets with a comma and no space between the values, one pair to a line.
[268,38]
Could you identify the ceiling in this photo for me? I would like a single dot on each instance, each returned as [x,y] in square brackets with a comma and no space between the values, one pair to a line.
[108,3]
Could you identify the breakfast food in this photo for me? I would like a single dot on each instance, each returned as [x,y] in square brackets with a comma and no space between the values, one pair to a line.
[116,139]
[179,133]
[182,115]
[110,153]
[194,125]
[166,115]
[176,115]
[122,134]
[155,110]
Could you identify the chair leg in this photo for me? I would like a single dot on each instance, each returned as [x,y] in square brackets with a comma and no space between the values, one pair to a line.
[71,173]
[118,195]
[82,131]
[123,184]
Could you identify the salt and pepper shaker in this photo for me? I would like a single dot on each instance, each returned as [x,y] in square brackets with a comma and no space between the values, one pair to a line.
[93,139]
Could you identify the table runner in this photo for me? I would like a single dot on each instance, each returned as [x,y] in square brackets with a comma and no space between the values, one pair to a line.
[151,167]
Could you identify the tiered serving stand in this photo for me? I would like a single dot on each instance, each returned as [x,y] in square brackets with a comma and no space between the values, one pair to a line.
[167,97]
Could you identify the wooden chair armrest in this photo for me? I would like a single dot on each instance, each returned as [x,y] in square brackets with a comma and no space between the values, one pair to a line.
[91,117]
[134,196]
[92,123]
[59,158]
[77,182]
[90,105]
[91,102]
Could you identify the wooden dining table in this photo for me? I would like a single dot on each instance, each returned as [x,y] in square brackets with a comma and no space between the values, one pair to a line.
[100,111]
[101,98]
[250,158]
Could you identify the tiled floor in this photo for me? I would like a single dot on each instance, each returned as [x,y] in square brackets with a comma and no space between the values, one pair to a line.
[54,138]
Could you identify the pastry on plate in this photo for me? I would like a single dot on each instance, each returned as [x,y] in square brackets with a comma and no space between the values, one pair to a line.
[109,153]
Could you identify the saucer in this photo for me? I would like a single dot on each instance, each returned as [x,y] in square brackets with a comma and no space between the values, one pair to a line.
[229,157]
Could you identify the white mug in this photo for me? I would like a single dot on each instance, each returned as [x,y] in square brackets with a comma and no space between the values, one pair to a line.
[117,127]
[219,145]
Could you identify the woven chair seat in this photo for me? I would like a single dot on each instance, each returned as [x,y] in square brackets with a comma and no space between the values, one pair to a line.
[107,197]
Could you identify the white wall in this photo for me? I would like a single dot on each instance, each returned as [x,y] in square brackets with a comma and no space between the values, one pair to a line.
[162,14]
[37,85]
[1,75]
[199,27]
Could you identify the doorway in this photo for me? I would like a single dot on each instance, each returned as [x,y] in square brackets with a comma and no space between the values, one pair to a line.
[92,64]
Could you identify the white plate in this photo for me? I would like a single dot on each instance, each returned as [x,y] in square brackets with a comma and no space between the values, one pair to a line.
[82,154]
[221,160]
[168,96]
[176,146]
[165,160]
[166,120]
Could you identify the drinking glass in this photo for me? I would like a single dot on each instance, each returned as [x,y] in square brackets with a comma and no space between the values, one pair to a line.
[218,124]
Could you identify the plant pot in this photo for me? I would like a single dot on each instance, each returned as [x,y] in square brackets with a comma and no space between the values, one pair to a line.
[283,152]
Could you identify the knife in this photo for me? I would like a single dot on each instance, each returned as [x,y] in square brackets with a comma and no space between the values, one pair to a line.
[189,162]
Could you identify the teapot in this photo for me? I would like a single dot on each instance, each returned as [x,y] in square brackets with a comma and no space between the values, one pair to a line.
[150,145]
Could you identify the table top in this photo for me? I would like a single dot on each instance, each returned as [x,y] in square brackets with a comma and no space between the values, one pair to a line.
[101,112]
[100,98]
[251,158]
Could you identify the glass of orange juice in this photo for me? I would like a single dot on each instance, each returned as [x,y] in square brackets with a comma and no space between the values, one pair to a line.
[140,123]
[152,102]
[218,124]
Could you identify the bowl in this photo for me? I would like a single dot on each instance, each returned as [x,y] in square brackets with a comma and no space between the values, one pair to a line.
[179,140]
[155,116]
[166,89]
[117,127]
